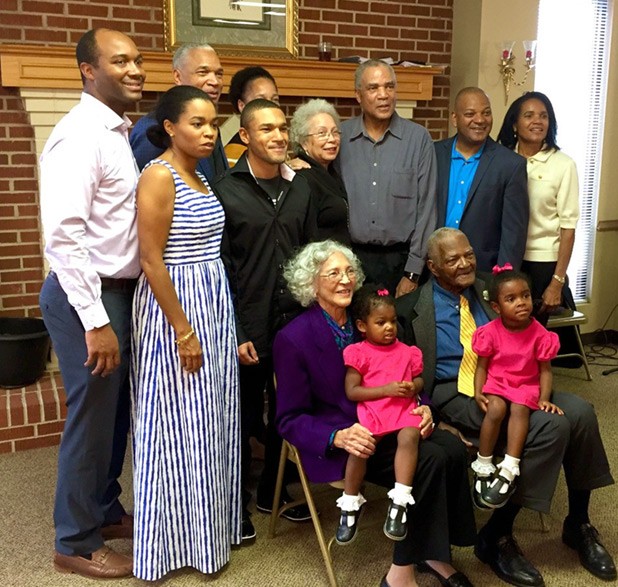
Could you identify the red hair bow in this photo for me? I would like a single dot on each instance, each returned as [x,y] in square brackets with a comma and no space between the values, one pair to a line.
[382,292]
[506,267]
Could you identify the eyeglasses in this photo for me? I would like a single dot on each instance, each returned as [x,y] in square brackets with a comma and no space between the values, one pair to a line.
[334,276]
[323,135]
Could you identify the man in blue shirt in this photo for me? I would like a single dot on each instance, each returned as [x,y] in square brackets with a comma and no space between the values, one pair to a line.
[195,65]
[482,186]
[430,319]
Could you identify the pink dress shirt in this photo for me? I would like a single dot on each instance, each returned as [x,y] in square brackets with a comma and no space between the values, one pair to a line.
[88,181]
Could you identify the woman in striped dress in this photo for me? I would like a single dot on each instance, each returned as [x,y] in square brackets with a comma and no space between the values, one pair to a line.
[184,367]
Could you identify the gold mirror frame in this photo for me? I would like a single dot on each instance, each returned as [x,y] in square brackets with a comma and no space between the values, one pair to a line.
[179,28]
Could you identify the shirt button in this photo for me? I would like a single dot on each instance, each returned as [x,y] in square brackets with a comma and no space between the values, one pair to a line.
[459,201]
[375,164]
[456,221]
[373,183]
[462,182]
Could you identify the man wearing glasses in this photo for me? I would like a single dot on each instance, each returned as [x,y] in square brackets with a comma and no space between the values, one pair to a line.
[388,166]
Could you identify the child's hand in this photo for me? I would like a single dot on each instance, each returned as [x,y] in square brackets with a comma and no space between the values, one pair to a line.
[400,389]
[550,408]
[482,401]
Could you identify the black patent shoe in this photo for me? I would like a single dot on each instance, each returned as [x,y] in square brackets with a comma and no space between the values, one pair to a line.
[508,562]
[348,526]
[480,485]
[457,579]
[395,527]
[493,496]
[592,554]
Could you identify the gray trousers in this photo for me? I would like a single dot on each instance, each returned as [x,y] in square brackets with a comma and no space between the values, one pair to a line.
[572,440]
[93,444]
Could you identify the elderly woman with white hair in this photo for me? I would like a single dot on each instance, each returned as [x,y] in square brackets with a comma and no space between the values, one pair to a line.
[314,414]
[315,139]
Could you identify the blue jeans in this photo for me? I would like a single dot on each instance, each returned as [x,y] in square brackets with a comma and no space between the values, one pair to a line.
[94,441]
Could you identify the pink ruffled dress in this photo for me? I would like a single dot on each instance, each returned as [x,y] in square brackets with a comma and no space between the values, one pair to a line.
[379,365]
[513,371]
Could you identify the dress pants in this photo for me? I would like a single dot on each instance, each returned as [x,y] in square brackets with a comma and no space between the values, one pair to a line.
[383,265]
[442,514]
[94,441]
[254,380]
[572,441]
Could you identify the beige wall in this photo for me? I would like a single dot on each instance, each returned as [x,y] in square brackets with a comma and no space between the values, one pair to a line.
[478,30]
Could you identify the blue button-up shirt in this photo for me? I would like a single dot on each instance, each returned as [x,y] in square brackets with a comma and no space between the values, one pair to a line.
[448,348]
[460,180]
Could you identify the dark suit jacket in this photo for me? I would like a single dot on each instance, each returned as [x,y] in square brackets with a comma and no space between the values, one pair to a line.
[495,217]
[416,314]
[311,399]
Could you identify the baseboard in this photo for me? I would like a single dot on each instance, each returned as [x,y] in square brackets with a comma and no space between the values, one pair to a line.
[600,337]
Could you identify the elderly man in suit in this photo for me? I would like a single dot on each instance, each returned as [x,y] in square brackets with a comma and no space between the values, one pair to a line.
[430,318]
[482,186]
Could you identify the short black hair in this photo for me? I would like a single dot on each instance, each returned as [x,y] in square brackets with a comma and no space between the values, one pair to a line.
[170,107]
[87,50]
[241,79]
[507,136]
[246,116]
[368,297]
[497,279]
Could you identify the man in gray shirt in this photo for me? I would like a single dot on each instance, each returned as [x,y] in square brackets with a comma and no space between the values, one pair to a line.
[388,165]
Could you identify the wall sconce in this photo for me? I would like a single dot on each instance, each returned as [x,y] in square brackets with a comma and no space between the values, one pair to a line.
[507,69]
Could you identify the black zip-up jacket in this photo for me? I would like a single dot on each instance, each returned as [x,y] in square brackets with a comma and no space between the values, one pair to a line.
[257,241]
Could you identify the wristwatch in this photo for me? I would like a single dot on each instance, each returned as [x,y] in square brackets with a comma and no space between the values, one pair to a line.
[559,279]
[413,277]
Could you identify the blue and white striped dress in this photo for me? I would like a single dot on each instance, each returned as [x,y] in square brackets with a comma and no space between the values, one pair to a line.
[186,427]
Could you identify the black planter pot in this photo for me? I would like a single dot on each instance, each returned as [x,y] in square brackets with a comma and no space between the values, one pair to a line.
[24,348]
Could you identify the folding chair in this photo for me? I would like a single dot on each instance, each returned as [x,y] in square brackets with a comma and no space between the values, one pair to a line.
[289,452]
[560,321]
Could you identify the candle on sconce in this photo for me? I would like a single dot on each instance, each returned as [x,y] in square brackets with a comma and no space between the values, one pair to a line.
[506,54]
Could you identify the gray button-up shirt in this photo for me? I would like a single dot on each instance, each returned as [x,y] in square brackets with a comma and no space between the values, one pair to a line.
[391,185]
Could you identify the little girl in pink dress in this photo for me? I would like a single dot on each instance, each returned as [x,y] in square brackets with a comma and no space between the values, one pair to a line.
[383,376]
[513,376]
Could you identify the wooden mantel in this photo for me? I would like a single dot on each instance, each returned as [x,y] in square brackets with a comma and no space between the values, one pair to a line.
[31,66]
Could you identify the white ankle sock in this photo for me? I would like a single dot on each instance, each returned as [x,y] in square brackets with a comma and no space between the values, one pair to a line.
[509,467]
[401,494]
[483,466]
[350,503]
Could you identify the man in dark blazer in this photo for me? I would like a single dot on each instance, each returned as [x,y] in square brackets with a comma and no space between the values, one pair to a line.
[482,186]
[430,319]
[193,64]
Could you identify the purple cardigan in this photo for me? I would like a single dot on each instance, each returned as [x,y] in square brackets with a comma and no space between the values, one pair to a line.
[311,399]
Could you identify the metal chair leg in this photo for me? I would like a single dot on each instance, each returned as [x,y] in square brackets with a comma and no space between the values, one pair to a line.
[583,352]
[272,527]
[324,547]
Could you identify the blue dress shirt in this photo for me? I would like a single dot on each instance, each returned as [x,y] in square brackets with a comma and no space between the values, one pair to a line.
[448,348]
[460,180]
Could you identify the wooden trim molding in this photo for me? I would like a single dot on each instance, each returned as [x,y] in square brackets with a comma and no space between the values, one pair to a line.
[607,225]
[31,66]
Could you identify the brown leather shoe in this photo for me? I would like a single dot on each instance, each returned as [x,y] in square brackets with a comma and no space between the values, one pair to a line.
[104,564]
[122,529]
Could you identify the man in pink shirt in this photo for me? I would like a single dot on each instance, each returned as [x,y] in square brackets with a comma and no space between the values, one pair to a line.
[88,180]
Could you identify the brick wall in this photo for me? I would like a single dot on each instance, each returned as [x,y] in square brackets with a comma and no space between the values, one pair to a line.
[413,29]
[418,30]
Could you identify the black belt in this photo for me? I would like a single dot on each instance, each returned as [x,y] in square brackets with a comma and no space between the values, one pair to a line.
[121,284]
[375,248]
[108,283]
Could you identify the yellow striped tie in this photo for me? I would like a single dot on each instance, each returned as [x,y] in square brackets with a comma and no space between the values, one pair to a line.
[467,326]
